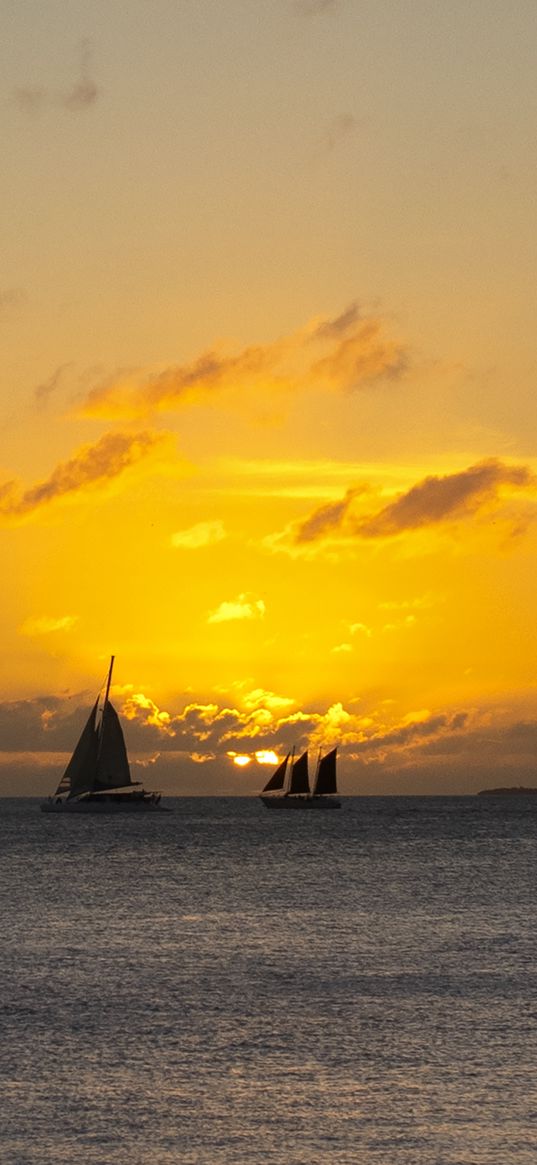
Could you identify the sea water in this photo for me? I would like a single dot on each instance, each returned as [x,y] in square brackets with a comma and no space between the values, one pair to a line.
[225,985]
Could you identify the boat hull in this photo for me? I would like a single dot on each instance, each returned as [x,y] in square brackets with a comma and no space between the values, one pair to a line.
[290,802]
[100,805]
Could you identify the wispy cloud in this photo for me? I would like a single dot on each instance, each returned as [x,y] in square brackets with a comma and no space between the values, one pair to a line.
[243,607]
[91,465]
[44,391]
[79,95]
[198,536]
[439,499]
[338,130]
[454,497]
[48,624]
[330,328]
[325,519]
[343,354]
[83,91]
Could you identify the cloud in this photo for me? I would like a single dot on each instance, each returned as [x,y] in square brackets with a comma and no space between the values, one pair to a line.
[243,607]
[46,624]
[91,465]
[439,499]
[196,537]
[361,358]
[82,93]
[258,698]
[209,729]
[360,628]
[340,324]
[341,127]
[431,502]
[42,724]
[449,750]
[325,519]
[411,732]
[138,703]
[343,354]
[45,390]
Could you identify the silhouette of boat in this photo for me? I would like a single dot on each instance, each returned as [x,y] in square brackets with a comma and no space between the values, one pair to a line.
[289,786]
[97,778]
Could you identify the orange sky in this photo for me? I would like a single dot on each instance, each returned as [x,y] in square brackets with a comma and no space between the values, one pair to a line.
[267,405]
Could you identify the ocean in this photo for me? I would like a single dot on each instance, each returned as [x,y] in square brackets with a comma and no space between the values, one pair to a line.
[224,985]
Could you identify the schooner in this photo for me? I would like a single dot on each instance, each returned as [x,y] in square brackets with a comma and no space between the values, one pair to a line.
[289,786]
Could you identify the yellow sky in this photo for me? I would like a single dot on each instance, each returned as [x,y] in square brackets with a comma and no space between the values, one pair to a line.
[267,396]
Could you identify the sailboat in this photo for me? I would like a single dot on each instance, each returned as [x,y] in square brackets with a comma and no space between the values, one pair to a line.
[97,778]
[289,786]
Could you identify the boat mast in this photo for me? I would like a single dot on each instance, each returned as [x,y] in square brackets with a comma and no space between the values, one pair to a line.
[106,695]
[314,789]
[289,774]
[108,682]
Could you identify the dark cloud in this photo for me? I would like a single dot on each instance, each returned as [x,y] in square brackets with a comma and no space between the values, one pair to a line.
[326,519]
[430,502]
[91,465]
[437,499]
[340,324]
[339,128]
[406,735]
[444,752]
[44,724]
[345,354]
[45,390]
[83,92]
[360,358]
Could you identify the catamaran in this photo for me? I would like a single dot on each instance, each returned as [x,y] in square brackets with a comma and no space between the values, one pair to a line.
[289,786]
[98,778]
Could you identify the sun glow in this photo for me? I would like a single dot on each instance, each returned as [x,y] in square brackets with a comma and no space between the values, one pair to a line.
[247,495]
[266,757]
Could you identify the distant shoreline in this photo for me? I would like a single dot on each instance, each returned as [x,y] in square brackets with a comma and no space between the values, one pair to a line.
[507,790]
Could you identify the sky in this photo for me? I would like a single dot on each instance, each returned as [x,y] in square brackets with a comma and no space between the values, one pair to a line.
[267,403]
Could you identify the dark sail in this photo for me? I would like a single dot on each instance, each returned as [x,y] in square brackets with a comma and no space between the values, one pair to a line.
[112,768]
[79,775]
[277,779]
[325,781]
[97,778]
[299,782]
